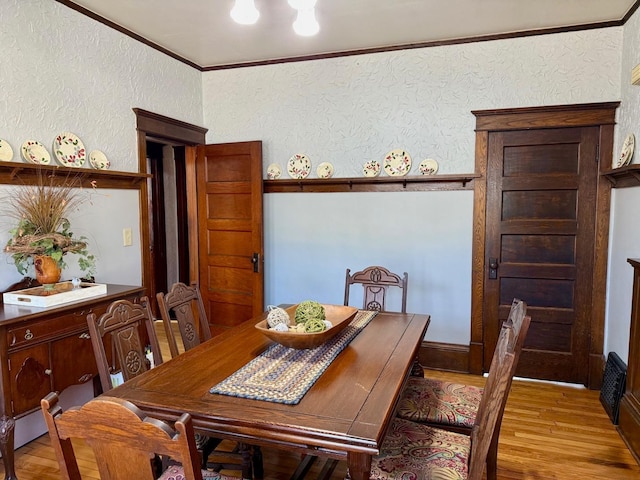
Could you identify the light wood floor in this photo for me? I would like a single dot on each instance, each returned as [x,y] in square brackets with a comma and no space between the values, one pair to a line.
[548,432]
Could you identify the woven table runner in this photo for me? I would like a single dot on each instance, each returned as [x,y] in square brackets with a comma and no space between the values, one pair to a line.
[282,374]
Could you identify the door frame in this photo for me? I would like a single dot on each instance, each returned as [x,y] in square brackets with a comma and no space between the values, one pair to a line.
[153,126]
[601,115]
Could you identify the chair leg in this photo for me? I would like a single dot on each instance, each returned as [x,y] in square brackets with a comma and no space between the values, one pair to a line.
[492,458]
[247,469]
[258,468]
[303,467]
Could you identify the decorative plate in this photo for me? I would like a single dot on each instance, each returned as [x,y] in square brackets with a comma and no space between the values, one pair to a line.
[627,151]
[299,166]
[34,152]
[99,160]
[6,152]
[397,163]
[325,170]
[69,150]
[428,167]
[274,171]
[371,168]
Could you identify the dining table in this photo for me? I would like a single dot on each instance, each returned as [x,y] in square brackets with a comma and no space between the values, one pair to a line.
[343,415]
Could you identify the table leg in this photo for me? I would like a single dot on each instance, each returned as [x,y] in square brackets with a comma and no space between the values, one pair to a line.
[7,425]
[358,466]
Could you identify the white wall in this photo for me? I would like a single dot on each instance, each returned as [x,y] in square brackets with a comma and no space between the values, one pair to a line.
[354,109]
[62,71]
[625,227]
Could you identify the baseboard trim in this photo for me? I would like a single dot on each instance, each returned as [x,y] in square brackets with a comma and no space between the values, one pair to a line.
[444,356]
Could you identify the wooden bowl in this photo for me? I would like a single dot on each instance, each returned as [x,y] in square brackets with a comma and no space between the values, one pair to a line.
[339,316]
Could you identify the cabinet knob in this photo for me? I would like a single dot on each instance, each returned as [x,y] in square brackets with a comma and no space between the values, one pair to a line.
[47,371]
[28,335]
[84,336]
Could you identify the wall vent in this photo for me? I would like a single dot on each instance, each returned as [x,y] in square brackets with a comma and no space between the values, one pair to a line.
[613,385]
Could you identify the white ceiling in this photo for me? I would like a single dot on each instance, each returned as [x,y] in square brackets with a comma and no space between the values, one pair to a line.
[201,31]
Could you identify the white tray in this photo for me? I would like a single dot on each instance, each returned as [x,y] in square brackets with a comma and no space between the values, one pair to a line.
[62,292]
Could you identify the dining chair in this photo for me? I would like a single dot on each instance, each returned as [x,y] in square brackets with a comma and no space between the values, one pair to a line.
[376,281]
[124,441]
[415,450]
[453,406]
[120,329]
[184,304]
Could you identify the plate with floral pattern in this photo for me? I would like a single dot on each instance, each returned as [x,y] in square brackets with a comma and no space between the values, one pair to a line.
[371,168]
[274,171]
[99,160]
[6,152]
[69,150]
[35,152]
[324,170]
[627,151]
[428,167]
[397,163]
[299,166]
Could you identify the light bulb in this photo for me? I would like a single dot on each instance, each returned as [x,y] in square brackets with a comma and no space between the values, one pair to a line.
[245,12]
[306,24]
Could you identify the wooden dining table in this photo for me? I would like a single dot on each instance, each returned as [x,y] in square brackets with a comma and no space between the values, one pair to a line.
[343,416]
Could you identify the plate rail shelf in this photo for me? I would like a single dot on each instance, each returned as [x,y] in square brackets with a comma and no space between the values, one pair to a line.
[25,173]
[622,177]
[373,184]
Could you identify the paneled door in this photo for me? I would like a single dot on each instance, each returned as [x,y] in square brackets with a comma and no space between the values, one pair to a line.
[230,232]
[543,227]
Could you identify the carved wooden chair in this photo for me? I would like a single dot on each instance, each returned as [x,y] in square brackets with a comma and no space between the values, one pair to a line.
[376,281]
[120,327]
[124,441]
[417,450]
[454,406]
[184,304]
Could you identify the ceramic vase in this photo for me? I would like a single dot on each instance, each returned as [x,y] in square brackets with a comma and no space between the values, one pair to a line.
[47,269]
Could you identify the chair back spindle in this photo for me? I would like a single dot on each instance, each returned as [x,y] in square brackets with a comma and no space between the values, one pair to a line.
[184,304]
[376,281]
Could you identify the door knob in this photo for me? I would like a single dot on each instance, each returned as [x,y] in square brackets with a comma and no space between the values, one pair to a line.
[493,268]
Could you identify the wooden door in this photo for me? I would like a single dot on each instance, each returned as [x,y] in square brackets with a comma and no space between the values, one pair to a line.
[541,221]
[230,232]
[539,247]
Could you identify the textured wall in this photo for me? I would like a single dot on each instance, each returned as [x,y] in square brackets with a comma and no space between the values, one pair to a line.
[354,109]
[625,228]
[62,71]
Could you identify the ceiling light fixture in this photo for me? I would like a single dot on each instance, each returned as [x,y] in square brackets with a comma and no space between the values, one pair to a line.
[306,23]
[245,12]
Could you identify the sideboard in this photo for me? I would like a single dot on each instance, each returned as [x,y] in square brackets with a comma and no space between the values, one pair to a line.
[629,421]
[44,350]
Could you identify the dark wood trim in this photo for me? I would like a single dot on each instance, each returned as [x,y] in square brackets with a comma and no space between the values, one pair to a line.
[375,184]
[349,53]
[622,177]
[444,356]
[576,115]
[592,114]
[160,127]
[127,32]
[156,125]
[27,173]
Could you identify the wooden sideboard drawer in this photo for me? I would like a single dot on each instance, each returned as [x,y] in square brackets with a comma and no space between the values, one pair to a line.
[45,330]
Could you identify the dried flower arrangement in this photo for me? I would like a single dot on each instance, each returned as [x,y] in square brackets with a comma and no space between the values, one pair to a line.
[40,208]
